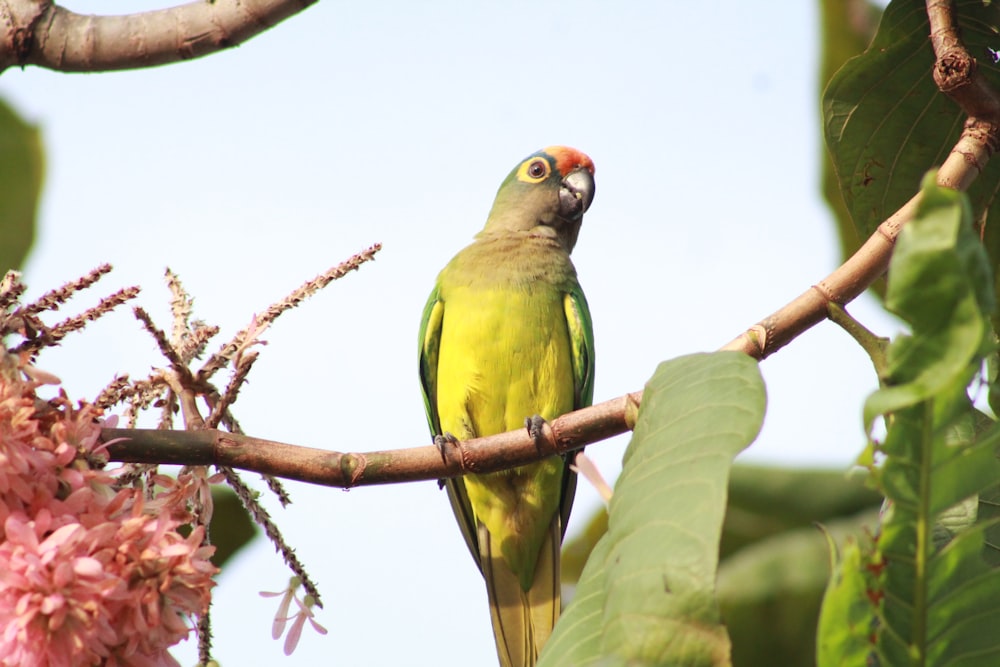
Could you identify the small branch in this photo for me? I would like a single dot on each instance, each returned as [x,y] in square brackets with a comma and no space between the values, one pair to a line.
[52,299]
[52,336]
[956,75]
[11,289]
[39,32]
[956,72]
[166,349]
[319,466]
[181,305]
[228,397]
[875,346]
[263,519]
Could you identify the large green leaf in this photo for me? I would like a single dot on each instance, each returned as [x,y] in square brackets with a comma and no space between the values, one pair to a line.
[847,26]
[886,123]
[21,167]
[646,595]
[927,591]
[764,501]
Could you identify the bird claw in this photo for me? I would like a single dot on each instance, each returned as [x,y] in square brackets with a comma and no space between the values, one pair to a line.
[444,443]
[535,425]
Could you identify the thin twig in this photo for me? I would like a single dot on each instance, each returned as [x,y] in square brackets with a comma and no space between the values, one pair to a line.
[228,396]
[263,519]
[11,289]
[52,299]
[166,349]
[114,392]
[180,307]
[193,345]
[51,336]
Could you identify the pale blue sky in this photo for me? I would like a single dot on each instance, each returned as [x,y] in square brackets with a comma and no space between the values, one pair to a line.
[252,170]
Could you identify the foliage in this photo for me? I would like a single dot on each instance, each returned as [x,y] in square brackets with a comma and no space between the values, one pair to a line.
[886,122]
[645,596]
[921,591]
[847,29]
[21,168]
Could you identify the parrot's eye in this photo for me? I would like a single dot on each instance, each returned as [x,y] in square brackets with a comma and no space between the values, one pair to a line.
[538,169]
[534,170]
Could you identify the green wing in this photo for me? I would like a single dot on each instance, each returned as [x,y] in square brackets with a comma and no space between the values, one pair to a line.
[581,337]
[430,342]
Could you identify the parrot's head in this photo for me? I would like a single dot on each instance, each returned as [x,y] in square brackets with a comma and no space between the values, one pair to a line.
[547,194]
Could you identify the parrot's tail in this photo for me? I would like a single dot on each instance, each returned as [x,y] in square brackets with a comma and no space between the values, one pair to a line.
[522,620]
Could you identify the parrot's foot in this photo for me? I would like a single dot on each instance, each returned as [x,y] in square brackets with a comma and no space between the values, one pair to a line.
[535,424]
[446,444]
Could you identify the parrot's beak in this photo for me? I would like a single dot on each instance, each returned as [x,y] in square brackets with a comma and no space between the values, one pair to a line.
[576,193]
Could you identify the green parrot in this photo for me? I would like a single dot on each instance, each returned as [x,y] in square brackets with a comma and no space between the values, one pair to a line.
[507,341]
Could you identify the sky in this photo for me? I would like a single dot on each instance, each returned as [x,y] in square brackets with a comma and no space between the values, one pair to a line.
[252,170]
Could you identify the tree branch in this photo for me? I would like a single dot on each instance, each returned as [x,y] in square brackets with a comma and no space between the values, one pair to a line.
[327,468]
[39,32]
[956,75]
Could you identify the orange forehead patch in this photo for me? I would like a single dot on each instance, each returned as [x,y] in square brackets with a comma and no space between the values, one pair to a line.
[567,159]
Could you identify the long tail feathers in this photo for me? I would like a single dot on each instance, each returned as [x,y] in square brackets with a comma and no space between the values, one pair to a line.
[522,620]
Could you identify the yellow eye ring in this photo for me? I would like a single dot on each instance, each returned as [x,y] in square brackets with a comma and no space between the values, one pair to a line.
[534,170]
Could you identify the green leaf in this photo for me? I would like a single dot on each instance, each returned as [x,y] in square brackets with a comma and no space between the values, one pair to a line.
[886,122]
[21,168]
[763,501]
[645,596]
[231,528]
[847,617]
[935,592]
[938,282]
[847,28]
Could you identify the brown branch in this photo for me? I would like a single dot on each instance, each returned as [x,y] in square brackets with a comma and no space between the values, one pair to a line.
[11,289]
[956,72]
[320,466]
[578,429]
[166,349]
[53,335]
[52,299]
[956,75]
[39,32]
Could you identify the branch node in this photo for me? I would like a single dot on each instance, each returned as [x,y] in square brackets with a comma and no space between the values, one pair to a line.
[632,403]
[353,467]
[954,69]
[758,339]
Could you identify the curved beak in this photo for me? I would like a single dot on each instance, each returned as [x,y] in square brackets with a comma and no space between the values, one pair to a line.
[576,193]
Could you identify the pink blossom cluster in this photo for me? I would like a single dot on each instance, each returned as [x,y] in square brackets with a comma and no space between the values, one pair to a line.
[89,575]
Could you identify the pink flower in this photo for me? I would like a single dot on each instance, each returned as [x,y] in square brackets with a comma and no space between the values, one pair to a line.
[54,597]
[89,574]
[305,613]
